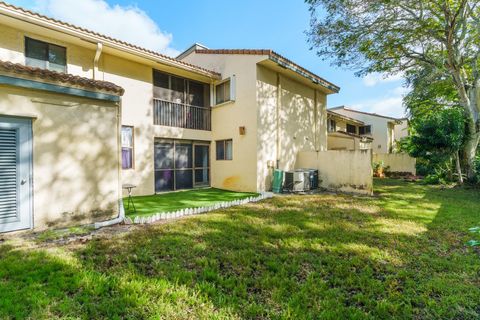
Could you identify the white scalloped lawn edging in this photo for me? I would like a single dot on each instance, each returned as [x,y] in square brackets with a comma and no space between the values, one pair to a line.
[195,211]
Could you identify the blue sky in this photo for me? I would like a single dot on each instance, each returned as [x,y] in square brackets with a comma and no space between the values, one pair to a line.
[172,26]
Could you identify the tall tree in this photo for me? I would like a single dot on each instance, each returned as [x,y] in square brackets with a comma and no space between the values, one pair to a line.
[402,35]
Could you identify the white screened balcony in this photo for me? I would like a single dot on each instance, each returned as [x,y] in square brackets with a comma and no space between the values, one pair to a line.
[180,102]
[180,115]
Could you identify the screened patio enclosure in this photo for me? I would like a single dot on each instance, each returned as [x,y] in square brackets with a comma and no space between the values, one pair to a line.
[181,164]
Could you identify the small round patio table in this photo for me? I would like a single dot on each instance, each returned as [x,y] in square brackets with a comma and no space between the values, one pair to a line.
[129,188]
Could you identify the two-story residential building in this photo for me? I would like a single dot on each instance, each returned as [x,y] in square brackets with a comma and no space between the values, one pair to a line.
[345,133]
[66,84]
[269,107]
[82,113]
[384,130]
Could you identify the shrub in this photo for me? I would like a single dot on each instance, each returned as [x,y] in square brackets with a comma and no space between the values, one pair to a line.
[434,178]
[379,169]
[474,242]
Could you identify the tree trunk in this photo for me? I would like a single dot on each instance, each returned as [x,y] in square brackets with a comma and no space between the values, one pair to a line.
[470,101]
[469,152]
[473,131]
[459,168]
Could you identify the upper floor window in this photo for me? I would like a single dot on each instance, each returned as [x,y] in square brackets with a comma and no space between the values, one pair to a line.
[351,128]
[222,92]
[365,130]
[45,55]
[332,125]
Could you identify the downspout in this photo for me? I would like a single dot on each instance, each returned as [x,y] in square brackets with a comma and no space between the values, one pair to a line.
[98,53]
[279,103]
[121,210]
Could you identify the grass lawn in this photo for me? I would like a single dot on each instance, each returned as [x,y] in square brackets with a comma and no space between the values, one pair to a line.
[399,255]
[172,201]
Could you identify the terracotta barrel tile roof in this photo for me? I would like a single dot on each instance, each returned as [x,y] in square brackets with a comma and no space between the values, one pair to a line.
[276,57]
[65,78]
[121,42]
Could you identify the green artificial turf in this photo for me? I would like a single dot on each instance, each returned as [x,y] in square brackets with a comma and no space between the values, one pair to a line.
[172,201]
[399,255]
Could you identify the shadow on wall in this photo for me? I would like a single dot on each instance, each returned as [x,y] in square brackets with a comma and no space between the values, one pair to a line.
[75,156]
[341,170]
[298,131]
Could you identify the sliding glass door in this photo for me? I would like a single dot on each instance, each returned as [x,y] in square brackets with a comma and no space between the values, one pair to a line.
[181,164]
[202,165]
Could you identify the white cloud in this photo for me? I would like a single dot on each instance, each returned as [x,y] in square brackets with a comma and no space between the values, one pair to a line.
[129,23]
[372,79]
[390,104]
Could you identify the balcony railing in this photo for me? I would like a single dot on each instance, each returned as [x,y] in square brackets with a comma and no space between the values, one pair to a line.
[171,114]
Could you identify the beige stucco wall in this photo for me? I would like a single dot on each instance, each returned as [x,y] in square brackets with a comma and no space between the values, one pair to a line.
[342,143]
[241,172]
[255,154]
[75,155]
[401,130]
[137,111]
[79,59]
[391,137]
[301,126]
[346,171]
[398,162]
[137,103]
[340,125]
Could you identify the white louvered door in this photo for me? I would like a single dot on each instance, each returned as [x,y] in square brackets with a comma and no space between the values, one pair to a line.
[15,174]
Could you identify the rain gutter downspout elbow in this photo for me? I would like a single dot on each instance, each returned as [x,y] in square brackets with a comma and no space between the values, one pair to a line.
[98,53]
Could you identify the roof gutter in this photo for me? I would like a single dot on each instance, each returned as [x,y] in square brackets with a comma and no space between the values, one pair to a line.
[106,42]
[330,87]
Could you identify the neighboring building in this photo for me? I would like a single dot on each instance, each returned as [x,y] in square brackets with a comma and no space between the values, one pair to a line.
[92,113]
[268,107]
[385,131]
[346,133]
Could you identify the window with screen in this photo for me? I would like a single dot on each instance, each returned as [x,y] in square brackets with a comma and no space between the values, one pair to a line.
[222,92]
[332,125]
[224,149]
[364,130]
[179,90]
[351,128]
[127,147]
[45,55]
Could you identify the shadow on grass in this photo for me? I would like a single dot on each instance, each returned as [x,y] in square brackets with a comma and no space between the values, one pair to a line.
[38,285]
[298,257]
